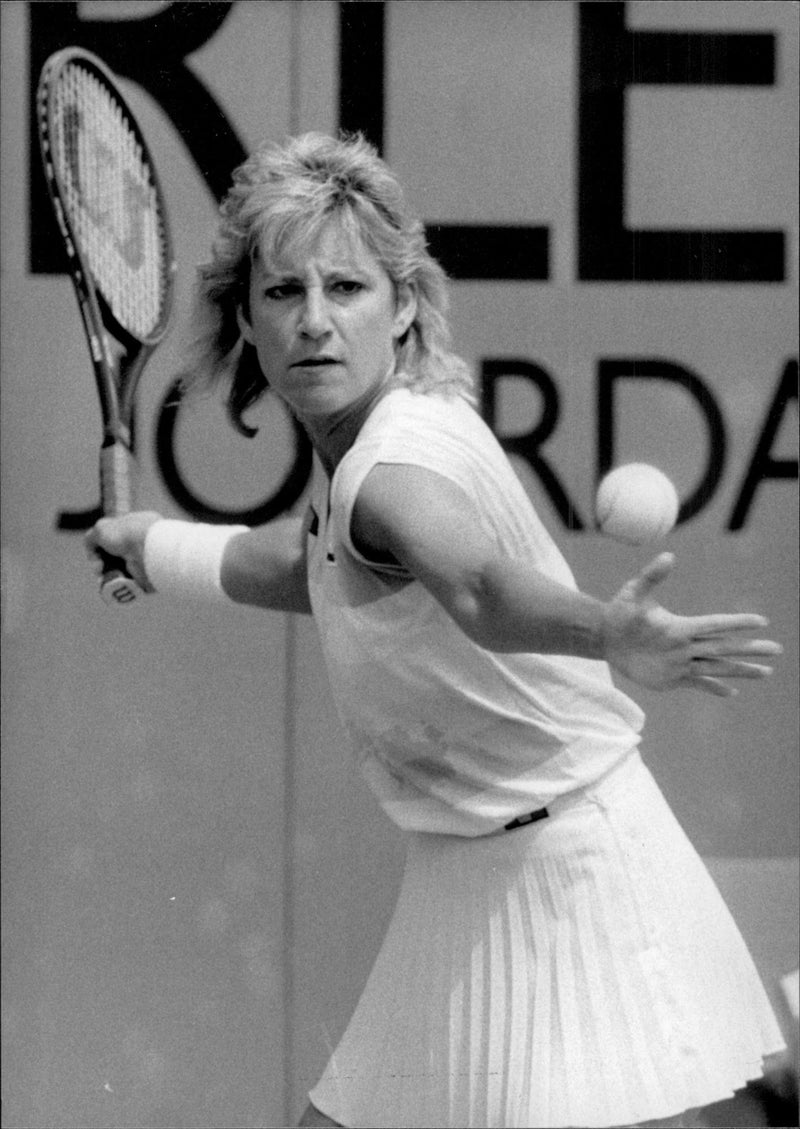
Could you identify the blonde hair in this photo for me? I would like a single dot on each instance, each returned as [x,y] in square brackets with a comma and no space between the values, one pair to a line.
[282,196]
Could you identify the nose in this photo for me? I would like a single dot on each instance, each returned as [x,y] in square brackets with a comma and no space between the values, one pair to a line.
[314,315]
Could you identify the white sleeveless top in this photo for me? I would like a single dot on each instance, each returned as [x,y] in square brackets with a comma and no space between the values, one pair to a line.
[451,738]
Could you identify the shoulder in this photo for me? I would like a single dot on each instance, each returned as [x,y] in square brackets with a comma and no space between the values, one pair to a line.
[396,496]
[407,402]
[424,427]
[415,456]
[438,433]
[409,516]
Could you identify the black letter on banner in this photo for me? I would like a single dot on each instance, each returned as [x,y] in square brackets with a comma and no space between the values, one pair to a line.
[612,58]
[508,252]
[361,70]
[527,446]
[762,465]
[609,371]
[151,51]
[466,251]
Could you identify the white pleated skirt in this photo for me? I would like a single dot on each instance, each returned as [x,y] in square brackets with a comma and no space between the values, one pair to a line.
[580,971]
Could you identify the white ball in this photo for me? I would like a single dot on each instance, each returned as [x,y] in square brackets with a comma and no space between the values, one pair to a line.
[636,503]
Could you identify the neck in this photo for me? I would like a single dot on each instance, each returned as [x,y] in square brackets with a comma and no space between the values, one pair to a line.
[332,436]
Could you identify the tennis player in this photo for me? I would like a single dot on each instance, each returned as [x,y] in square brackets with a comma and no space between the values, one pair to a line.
[558,956]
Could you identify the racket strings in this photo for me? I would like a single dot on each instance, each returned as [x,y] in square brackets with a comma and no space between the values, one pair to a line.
[112,200]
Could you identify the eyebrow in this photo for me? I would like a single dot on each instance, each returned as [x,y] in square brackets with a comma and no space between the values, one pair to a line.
[290,276]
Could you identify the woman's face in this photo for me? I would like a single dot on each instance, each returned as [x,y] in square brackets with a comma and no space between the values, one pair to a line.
[325,323]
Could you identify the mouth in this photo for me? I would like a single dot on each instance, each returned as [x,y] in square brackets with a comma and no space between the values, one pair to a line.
[315,362]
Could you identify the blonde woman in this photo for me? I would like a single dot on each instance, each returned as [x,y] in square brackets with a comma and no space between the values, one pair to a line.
[558,955]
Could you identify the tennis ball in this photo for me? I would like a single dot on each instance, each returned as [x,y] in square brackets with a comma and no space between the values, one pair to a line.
[636,503]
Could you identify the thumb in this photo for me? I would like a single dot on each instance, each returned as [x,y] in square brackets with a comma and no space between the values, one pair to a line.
[656,572]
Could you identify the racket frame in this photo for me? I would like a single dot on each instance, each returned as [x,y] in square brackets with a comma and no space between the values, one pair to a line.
[116,376]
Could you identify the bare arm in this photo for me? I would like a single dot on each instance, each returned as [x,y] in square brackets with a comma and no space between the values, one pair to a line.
[430,526]
[265,567]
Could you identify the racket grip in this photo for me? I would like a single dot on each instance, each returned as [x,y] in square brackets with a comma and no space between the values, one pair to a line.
[117,586]
[116,465]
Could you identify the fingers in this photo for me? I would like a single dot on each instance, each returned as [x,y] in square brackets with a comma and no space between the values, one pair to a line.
[91,540]
[730,668]
[122,537]
[717,649]
[103,536]
[710,675]
[653,574]
[708,626]
[710,686]
[734,648]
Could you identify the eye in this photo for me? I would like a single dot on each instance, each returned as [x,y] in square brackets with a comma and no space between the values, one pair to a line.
[347,286]
[281,291]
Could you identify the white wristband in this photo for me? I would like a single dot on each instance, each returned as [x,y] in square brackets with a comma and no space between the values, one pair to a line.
[183,558]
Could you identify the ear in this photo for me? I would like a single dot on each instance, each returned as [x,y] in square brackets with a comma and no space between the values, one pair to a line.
[245,328]
[405,309]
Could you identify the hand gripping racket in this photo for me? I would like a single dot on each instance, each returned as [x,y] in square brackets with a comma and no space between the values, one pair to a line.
[110,209]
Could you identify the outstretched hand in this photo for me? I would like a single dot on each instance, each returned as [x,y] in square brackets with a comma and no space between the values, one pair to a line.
[660,650]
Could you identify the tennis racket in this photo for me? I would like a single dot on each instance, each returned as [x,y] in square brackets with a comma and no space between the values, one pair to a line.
[110,210]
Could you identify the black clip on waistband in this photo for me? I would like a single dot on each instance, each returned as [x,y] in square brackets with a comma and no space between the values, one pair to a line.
[524,820]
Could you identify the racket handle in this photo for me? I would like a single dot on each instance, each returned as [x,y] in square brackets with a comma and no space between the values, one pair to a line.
[116,496]
[117,586]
